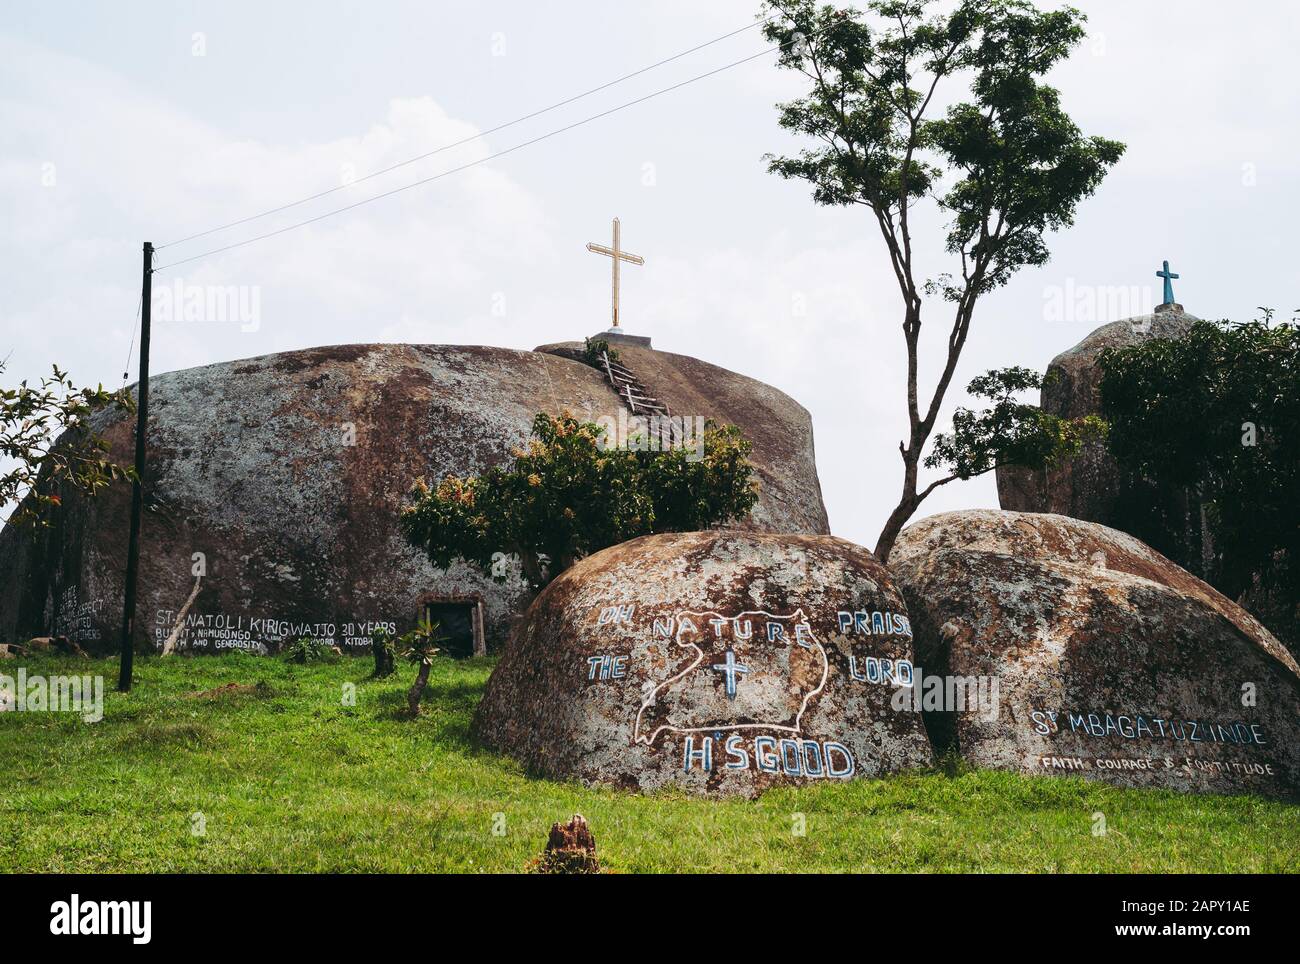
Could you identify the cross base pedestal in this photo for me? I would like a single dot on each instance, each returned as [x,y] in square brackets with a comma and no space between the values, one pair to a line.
[1170,306]
[616,336]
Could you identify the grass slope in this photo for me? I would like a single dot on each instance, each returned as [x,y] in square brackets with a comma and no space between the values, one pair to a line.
[287,778]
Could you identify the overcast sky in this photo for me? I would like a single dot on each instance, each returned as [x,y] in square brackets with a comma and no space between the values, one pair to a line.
[121,123]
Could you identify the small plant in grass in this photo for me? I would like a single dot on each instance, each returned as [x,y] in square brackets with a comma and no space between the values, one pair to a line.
[952,764]
[418,647]
[384,648]
[308,651]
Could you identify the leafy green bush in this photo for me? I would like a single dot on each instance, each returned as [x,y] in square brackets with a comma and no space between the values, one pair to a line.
[46,443]
[1217,413]
[309,651]
[384,648]
[594,347]
[1009,432]
[569,494]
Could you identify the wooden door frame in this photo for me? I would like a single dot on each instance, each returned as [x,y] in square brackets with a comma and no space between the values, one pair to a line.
[452,599]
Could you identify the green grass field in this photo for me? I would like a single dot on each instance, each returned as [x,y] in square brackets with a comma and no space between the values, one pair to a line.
[287,778]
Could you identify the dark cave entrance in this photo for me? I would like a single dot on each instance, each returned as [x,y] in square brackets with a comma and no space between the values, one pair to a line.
[460,626]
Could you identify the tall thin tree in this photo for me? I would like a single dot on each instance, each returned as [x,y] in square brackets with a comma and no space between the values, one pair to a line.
[1006,166]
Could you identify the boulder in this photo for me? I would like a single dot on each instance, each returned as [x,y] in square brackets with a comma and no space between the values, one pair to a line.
[1091,485]
[721,662]
[1102,657]
[274,487]
[61,644]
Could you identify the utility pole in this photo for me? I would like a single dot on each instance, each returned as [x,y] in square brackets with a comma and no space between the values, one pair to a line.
[137,487]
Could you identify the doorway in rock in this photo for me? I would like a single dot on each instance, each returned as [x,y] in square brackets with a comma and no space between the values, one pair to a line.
[457,624]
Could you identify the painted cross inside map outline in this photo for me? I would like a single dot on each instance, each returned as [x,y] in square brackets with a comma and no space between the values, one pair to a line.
[673,705]
[1169,286]
[731,668]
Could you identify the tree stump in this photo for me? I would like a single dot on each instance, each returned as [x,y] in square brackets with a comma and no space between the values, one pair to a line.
[570,849]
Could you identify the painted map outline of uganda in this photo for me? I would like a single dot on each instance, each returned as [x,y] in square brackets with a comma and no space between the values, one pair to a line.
[713,693]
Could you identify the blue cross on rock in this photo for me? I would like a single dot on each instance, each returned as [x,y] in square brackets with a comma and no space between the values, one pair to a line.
[1169,286]
[731,668]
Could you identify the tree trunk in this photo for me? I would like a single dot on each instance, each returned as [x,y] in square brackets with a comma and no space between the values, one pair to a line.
[907,500]
[417,690]
[893,526]
[531,567]
[920,427]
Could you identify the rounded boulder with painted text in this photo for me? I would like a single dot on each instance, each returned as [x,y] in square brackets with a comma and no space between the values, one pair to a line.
[721,662]
[1098,657]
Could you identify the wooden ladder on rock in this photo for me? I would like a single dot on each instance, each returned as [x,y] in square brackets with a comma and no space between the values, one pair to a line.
[629,388]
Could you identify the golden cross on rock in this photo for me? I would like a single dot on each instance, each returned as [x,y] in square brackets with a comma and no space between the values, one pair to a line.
[617,254]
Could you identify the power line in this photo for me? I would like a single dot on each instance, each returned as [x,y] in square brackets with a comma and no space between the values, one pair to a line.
[466,140]
[482,160]
[130,349]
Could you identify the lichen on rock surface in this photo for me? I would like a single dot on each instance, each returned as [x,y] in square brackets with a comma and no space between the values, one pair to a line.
[720,662]
[1111,662]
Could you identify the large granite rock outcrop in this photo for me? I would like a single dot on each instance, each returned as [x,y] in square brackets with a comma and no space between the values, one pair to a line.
[1109,660]
[720,662]
[1091,486]
[286,474]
